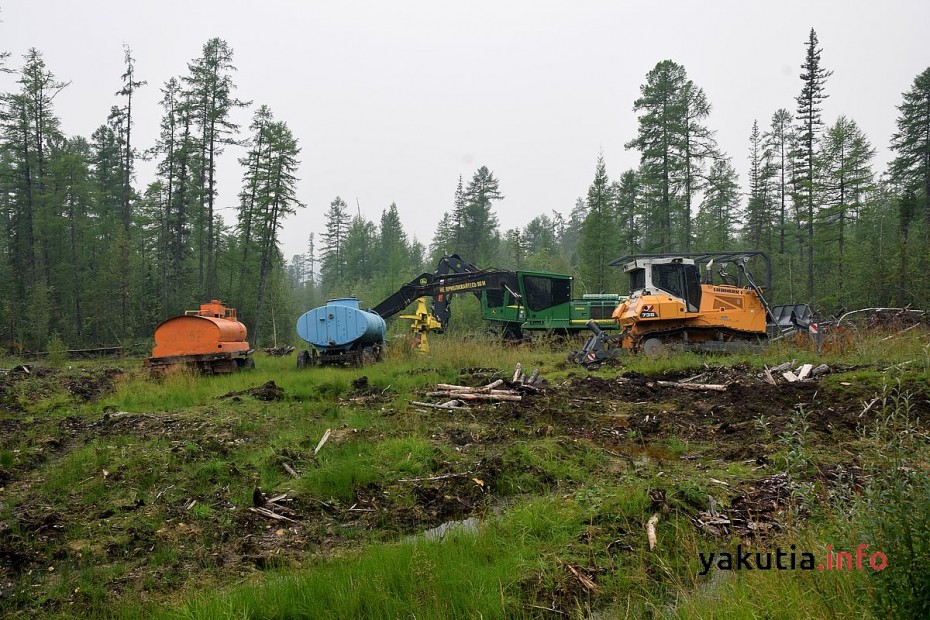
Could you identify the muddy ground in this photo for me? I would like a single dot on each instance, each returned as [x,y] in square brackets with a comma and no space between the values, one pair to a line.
[631,422]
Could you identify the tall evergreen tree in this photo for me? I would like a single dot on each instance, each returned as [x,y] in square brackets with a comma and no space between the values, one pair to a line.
[443,243]
[337,225]
[844,164]
[758,211]
[911,143]
[256,162]
[660,113]
[597,244]
[629,216]
[780,143]
[477,232]
[130,85]
[719,215]
[810,123]
[571,232]
[696,146]
[393,258]
[210,85]
[278,199]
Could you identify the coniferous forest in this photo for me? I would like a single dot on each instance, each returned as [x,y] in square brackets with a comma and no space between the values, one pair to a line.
[95,255]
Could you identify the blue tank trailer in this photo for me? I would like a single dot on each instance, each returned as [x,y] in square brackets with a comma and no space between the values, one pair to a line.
[341,333]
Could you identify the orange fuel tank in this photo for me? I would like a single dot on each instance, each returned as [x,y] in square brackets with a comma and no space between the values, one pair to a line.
[212,329]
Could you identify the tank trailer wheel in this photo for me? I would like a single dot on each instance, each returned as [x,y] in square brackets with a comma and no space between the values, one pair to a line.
[368,356]
[303,359]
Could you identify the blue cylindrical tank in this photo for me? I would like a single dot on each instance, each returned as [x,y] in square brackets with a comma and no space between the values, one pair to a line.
[339,325]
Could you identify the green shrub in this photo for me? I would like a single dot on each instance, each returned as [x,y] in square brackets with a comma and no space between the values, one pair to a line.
[57,351]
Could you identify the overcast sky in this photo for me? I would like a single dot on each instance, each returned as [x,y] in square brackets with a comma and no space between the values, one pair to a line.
[392,101]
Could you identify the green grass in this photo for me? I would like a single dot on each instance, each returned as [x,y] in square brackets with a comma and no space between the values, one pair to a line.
[449,579]
[559,490]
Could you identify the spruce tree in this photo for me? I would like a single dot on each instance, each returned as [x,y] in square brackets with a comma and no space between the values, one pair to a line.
[337,224]
[911,143]
[597,244]
[478,233]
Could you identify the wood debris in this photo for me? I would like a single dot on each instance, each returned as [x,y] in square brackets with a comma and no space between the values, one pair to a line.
[279,351]
[323,440]
[697,387]
[270,508]
[499,390]
[792,373]
[582,578]
[651,531]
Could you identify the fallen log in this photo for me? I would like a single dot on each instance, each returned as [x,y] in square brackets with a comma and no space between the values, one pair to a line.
[271,515]
[805,370]
[533,377]
[714,387]
[488,389]
[516,372]
[470,396]
[439,477]
[445,406]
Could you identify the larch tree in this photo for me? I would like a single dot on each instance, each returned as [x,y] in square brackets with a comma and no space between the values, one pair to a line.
[719,214]
[256,163]
[844,163]
[210,85]
[780,143]
[810,124]
[696,145]
[128,89]
[278,199]
[660,110]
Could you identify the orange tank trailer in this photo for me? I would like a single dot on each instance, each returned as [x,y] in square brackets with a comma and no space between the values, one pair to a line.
[212,339]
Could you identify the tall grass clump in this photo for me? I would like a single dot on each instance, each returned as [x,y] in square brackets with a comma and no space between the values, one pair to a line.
[893,512]
[463,576]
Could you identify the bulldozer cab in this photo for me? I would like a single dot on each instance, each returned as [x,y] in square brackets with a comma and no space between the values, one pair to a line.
[676,276]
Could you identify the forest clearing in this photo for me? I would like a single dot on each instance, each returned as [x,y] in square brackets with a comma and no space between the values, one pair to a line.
[328,493]
[688,370]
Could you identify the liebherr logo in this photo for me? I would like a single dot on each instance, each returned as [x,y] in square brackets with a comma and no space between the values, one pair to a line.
[648,312]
